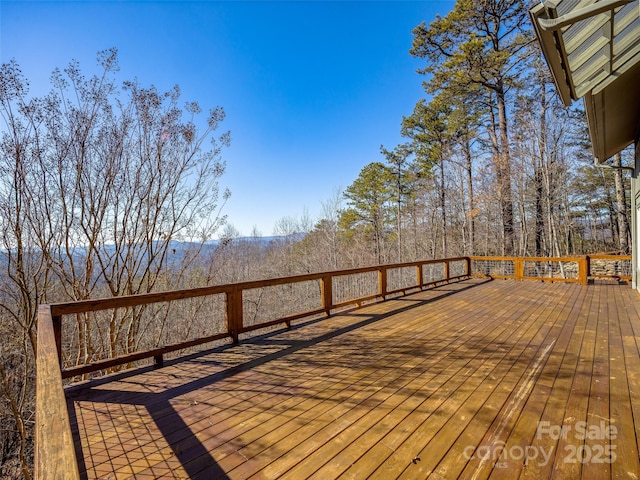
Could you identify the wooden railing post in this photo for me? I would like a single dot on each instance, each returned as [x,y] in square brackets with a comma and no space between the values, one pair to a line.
[467,261]
[419,275]
[55,455]
[158,361]
[518,268]
[229,297]
[382,282]
[446,270]
[234,313]
[326,286]
[583,270]
[57,335]
[587,259]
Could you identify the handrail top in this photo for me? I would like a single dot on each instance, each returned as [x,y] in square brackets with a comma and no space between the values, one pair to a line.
[567,258]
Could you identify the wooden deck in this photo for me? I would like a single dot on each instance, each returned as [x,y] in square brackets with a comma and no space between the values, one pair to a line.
[477,379]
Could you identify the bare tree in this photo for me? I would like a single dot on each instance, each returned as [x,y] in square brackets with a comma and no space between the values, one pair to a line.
[98,183]
[624,233]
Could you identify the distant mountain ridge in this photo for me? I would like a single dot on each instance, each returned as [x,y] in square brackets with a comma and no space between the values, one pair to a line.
[180,248]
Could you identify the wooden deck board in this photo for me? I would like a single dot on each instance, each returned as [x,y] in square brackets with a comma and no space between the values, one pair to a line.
[414,387]
[457,459]
[489,364]
[431,387]
[620,401]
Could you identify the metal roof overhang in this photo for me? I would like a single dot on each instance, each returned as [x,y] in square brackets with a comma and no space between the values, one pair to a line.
[593,51]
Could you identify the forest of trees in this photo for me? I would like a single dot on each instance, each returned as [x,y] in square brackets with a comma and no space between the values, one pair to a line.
[493,163]
[101,182]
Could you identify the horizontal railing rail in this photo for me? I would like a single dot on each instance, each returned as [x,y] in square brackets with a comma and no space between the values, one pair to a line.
[54,452]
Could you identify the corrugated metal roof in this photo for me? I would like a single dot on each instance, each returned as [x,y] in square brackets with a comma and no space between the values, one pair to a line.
[593,50]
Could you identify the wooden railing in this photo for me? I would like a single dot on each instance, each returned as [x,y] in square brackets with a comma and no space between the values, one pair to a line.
[55,455]
[559,269]
[554,269]
[234,293]
[54,452]
[609,266]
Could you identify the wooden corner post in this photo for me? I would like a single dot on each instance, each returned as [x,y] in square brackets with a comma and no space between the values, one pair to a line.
[382,282]
[587,263]
[518,268]
[54,454]
[56,321]
[583,270]
[234,313]
[326,290]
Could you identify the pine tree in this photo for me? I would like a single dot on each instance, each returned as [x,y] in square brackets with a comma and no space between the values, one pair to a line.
[481,44]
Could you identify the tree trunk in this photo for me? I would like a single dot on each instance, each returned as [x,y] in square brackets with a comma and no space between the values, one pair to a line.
[504,179]
[539,226]
[538,176]
[493,136]
[472,207]
[443,209]
[624,233]
[399,224]
[611,211]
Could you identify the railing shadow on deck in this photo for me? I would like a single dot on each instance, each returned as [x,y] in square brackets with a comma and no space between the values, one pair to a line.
[55,452]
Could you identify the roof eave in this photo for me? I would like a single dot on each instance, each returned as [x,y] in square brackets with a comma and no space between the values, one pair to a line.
[548,44]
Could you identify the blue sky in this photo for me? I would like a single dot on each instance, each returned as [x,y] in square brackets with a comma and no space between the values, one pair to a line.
[311,89]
